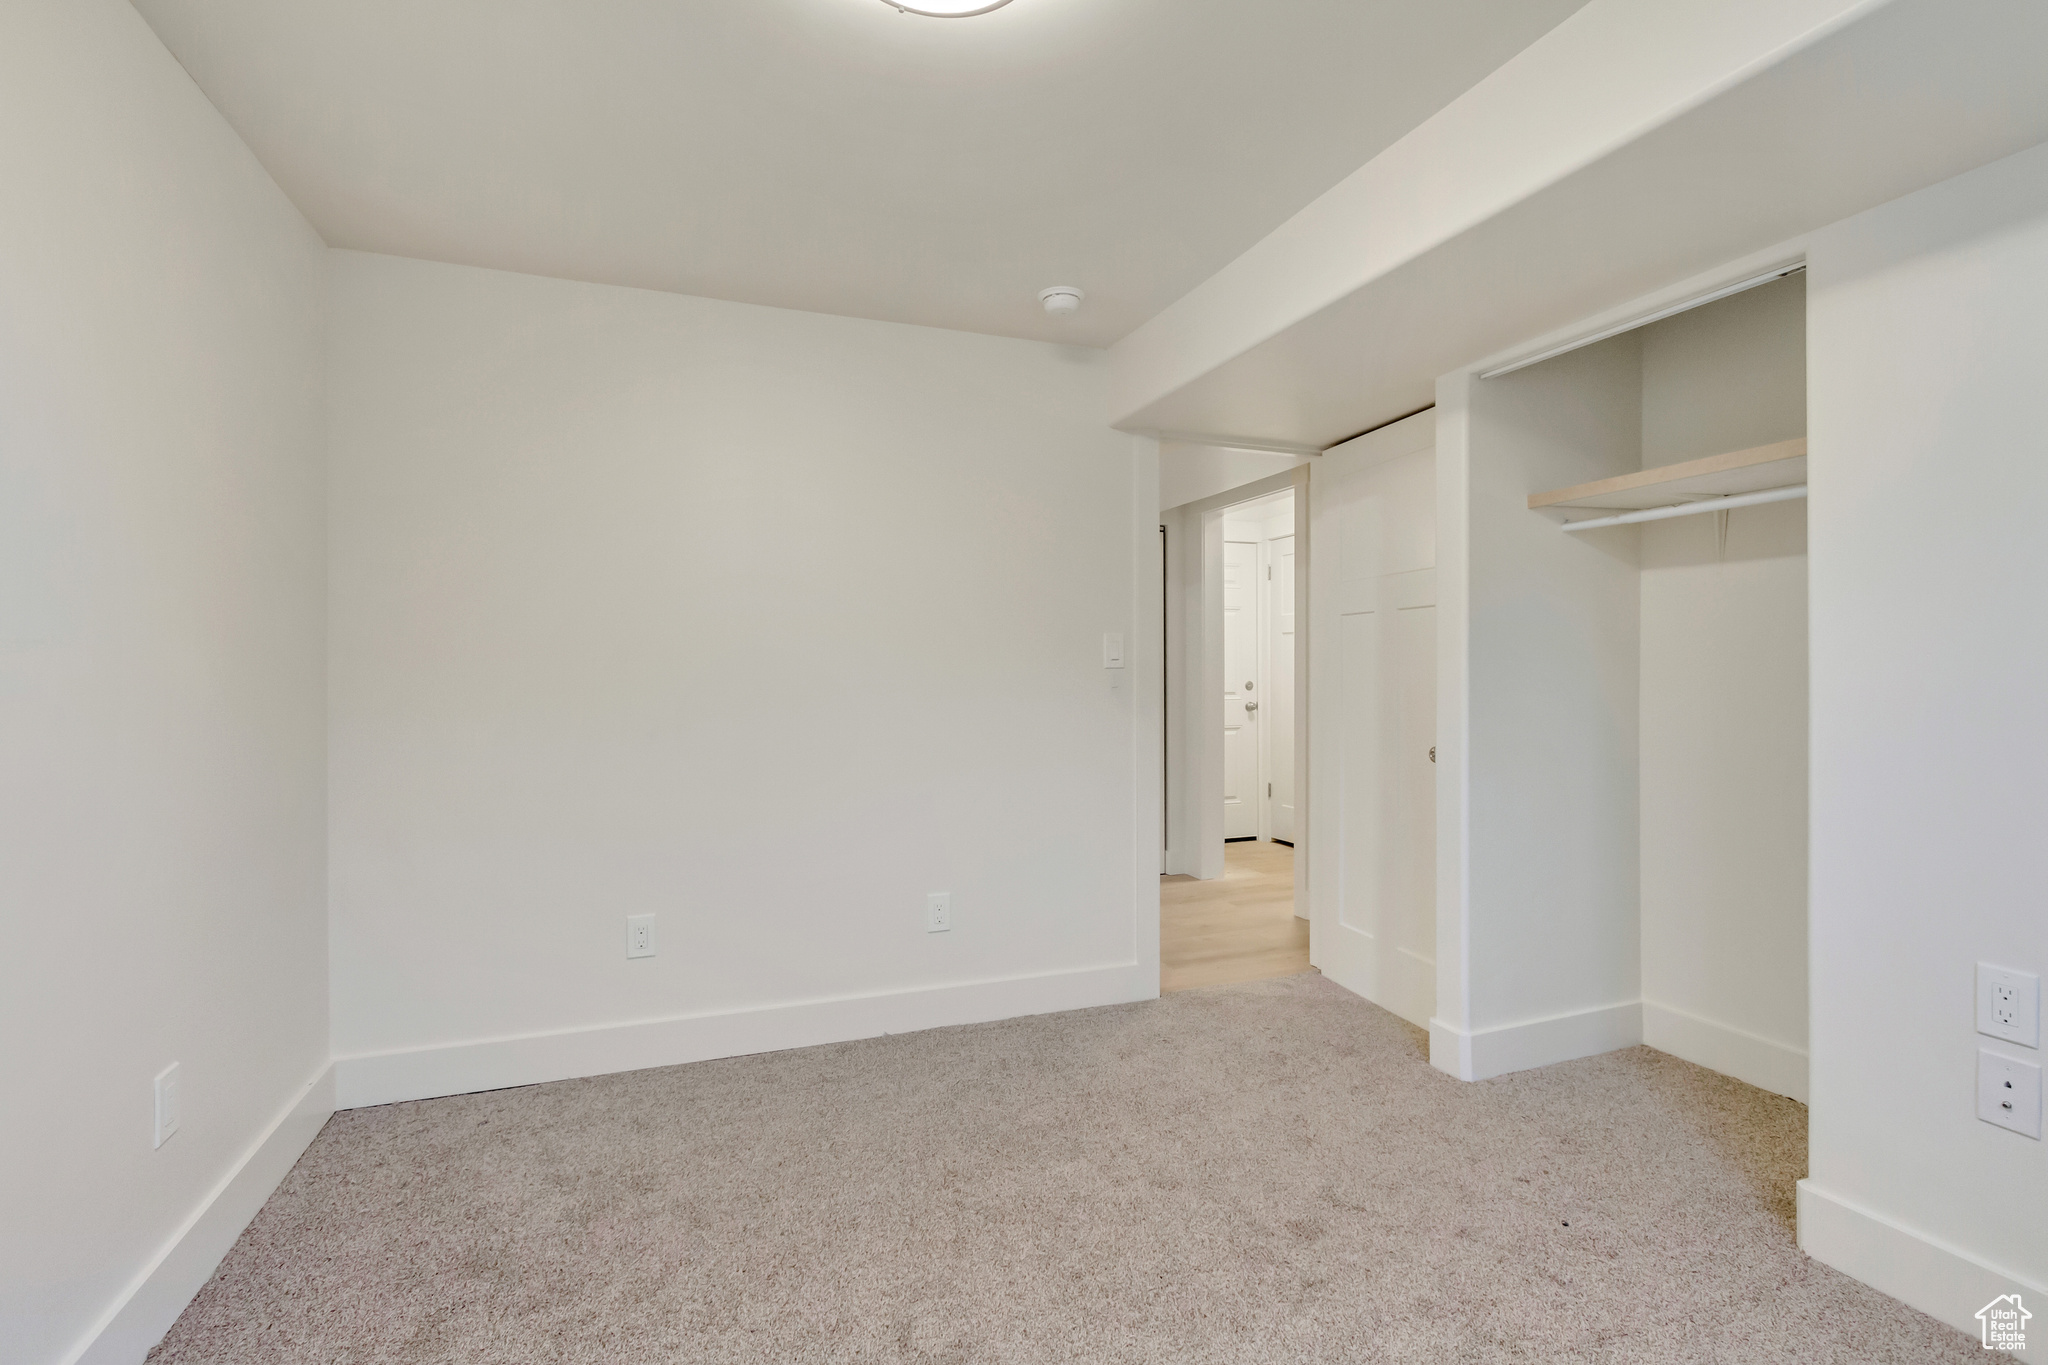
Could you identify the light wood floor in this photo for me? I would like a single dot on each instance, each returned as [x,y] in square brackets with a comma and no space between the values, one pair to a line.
[1239,927]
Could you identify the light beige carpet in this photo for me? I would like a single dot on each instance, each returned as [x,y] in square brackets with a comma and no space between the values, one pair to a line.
[1267,1172]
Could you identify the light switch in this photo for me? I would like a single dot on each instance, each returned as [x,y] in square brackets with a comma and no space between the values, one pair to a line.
[166,1092]
[1112,650]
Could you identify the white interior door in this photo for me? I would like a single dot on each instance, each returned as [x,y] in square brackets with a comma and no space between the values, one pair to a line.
[1241,700]
[1372,694]
[1278,707]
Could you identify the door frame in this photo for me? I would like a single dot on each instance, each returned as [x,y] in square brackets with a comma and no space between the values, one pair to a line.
[1268,639]
[1251,728]
[1194,669]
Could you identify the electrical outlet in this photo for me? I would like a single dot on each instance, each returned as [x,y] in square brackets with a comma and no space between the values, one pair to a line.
[938,912]
[2009,1093]
[639,936]
[2009,1005]
[166,1104]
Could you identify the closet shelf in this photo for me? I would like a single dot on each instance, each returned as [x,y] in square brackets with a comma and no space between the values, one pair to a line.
[1731,473]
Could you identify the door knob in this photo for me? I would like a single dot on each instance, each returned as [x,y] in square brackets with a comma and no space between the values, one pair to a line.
[1251,706]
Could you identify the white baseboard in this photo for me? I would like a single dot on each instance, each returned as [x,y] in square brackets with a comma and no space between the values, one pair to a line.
[494,1064]
[1923,1272]
[1536,1042]
[1775,1067]
[146,1309]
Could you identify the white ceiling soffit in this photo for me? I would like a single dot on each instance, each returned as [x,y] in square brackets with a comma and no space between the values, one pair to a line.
[835,155]
[1634,146]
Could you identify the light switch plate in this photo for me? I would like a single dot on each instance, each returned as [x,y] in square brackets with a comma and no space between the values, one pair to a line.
[166,1104]
[2009,1093]
[2009,1005]
[1112,650]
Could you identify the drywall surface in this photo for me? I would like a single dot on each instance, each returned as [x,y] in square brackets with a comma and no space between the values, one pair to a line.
[764,623]
[1724,745]
[1728,376]
[161,666]
[1190,473]
[1929,329]
[1537,920]
[1599,80]
[1632,146]
[1269,518]
[1723,710]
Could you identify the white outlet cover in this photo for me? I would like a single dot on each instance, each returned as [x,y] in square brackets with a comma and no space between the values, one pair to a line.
[2009,1093]
[166,1104]
[2009,1005]
[938,912]
[639,936]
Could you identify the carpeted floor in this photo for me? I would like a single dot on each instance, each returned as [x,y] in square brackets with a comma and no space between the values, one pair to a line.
[1265,1172]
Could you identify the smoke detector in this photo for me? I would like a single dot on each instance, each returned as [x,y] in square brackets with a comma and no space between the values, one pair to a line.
[946,9]
[1061,298]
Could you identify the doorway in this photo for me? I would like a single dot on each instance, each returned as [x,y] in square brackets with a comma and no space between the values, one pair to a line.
[1229,898]
[1258,671]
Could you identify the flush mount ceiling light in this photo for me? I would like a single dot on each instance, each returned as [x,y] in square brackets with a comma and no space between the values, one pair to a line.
[947,9]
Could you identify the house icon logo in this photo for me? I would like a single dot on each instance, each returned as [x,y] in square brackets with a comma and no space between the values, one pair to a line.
[2005,1323]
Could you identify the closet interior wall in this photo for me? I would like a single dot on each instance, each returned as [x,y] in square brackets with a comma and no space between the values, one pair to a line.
[1724,703]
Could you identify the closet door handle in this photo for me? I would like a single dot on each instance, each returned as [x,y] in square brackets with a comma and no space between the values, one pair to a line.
[1251,706]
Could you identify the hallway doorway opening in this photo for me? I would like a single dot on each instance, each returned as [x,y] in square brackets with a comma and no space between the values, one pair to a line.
[1240,926]
[1230,902]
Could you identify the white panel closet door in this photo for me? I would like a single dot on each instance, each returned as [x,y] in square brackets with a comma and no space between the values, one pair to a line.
[1240,692]
[1372,703]
[1278,708]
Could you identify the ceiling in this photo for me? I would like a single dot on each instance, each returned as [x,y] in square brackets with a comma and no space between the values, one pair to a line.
[835,155]
[1741,136]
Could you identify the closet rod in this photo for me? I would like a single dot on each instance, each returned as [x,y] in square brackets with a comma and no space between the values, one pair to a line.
[1686,509]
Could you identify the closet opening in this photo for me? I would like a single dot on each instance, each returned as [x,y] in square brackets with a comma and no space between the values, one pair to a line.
[1637,682]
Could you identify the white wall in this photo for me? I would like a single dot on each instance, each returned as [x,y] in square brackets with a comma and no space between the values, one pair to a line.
[1723,709]
[1929,340]
[1727,376]
[1538,955]
[614,631]
[1724,802]
[161,665]
[1191,473]
[1257,522]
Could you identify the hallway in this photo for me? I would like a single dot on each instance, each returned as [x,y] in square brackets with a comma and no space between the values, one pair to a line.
[1238,927]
